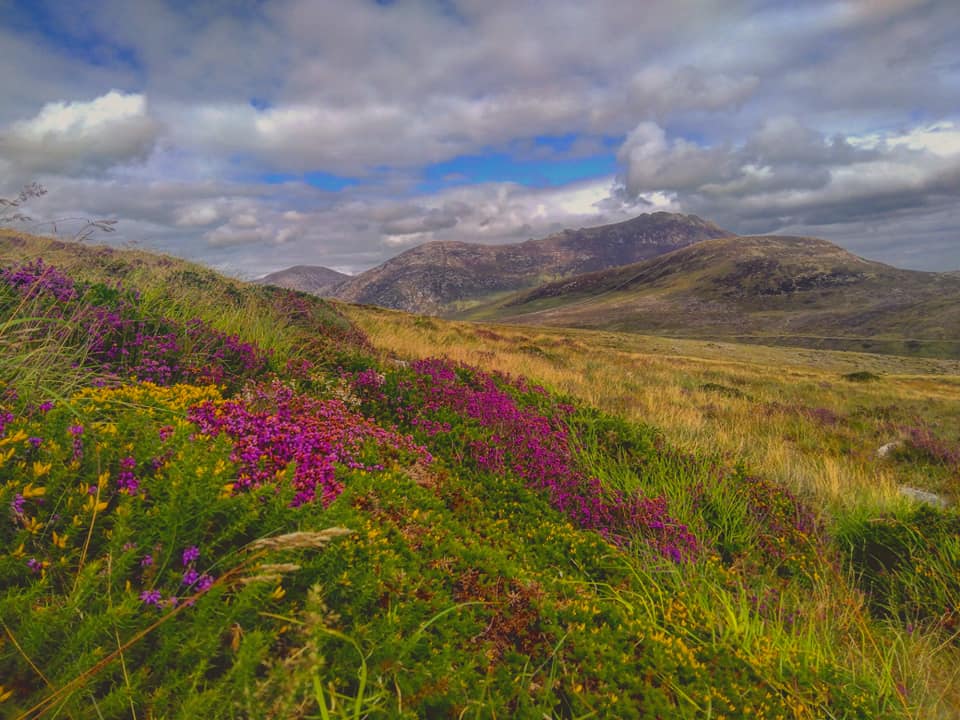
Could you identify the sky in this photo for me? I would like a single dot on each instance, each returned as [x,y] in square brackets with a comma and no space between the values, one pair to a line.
[252,136]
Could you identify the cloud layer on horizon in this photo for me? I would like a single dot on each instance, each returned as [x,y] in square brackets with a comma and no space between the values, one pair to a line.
[259,135]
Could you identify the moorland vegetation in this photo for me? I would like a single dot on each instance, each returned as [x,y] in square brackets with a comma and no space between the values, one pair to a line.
[228,500]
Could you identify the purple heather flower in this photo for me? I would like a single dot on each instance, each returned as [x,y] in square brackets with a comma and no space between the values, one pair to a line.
[204,582]
[147,561]
[190,577]
[127,481]
[77,432]
[5,419]
[35,566]
[190,555]
[17,504]
[35,441]
[151,597]
[46,406]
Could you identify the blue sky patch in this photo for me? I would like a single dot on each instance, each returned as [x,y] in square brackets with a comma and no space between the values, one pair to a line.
[73,38]
[505,167]
[317,179]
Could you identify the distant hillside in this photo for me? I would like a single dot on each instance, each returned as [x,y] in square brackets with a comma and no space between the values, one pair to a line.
[778,290]
[312,279]
[437,277]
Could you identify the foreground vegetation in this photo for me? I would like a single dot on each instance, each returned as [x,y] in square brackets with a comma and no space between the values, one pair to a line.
[224,500]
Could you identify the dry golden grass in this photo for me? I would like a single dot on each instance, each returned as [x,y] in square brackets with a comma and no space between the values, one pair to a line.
[787,413]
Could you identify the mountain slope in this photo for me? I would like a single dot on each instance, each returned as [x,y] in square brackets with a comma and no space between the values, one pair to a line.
[312,279]
[788,290]
[221,501]
[435,277]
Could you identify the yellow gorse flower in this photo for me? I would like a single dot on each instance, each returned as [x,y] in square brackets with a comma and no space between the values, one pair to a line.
[30,491]
[177,397]
[32,525]
[18,437]
[92,505]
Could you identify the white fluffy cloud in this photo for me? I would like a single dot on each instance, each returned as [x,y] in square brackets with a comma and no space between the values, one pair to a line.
[74,138]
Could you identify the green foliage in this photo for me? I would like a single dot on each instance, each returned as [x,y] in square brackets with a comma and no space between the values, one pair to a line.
[907,564]
[136,579]
[860,376]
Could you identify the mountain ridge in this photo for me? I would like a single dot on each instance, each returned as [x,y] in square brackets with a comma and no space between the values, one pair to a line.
[313,279]
[434,278]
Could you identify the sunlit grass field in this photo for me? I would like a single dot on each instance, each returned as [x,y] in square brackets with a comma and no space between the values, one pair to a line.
[802,417]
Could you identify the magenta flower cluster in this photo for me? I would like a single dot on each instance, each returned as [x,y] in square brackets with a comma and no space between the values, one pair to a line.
[163,351]
[192,578]
[37,279]
[531,446]
[123,343]
[273,427]
[6,418]
[127,481]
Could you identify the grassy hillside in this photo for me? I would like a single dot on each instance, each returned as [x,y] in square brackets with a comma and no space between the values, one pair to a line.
[224,501]
[771,290]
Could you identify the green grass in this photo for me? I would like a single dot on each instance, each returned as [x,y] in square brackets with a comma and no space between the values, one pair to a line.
[454,590]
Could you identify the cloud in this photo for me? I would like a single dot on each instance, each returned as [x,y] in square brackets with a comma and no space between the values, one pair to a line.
[74,138]
[663,91]
[652,163]
[838,117]
[196,215]
[787,176]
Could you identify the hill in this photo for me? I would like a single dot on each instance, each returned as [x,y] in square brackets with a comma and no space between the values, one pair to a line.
[440,276]
[223,500]
[767,289]
[312,279]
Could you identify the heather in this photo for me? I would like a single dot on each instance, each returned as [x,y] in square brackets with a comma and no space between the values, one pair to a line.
[201,517]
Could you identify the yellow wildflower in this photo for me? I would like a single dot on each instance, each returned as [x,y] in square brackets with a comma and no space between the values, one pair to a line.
[30,491]
[18,437]
[92,505]
[32,525]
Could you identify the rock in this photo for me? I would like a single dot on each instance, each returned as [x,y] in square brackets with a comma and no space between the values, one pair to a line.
[923,496]
[885,450]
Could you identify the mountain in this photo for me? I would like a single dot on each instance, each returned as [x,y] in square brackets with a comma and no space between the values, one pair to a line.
[439,277]
[312,279]
[770,289]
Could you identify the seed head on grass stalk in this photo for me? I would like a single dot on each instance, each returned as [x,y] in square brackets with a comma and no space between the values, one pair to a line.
[291,541]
